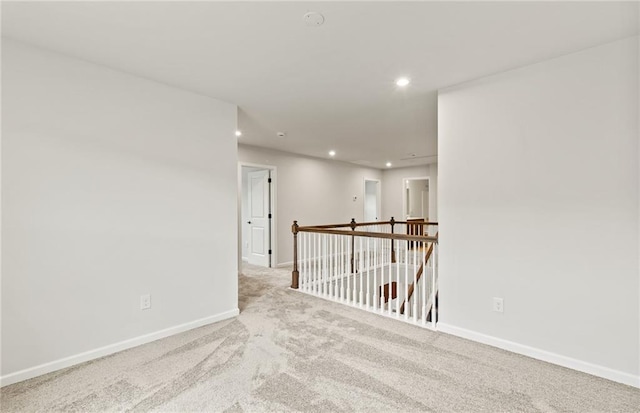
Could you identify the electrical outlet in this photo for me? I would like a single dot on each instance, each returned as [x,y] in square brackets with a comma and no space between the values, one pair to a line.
[145,301]
[498,305]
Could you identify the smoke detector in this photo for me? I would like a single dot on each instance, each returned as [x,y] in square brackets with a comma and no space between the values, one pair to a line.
[281,134]
[313,18]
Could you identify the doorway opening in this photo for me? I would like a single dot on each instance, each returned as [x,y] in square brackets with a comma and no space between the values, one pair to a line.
[257,220]
[371,200]
[415,200]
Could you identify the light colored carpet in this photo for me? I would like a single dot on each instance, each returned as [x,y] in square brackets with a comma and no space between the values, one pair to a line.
[291,352]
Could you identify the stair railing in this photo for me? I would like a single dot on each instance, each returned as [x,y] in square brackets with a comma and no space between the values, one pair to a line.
[375,266]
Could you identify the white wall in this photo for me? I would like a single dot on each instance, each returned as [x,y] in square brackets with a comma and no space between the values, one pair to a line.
[392,188]
[310,190]
[433,192]
[113,186]
[539,205]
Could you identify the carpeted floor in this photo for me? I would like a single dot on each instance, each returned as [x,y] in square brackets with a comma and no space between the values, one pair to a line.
[291,352]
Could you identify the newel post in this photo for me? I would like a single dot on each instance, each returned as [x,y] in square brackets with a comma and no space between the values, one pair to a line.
[295,275]
[353,243]
[393,251]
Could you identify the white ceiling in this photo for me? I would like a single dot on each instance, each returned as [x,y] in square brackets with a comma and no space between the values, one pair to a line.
[327,87]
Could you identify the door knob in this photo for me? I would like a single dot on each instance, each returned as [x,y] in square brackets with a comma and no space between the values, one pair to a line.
[248,222]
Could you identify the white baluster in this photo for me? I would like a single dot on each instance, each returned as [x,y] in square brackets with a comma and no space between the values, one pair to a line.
[310,259]
[423,287]
[382,266]
[360,272]
[309,262]
[398,279]
[356,259]
[324,265]
[368,303]
[342,274]
[433,285]
[316,281]
[375,274]
[415,280]
[406,279]
[391,264]
[325,260]
[312,238]
[349,265]
[334,266]
[303,255]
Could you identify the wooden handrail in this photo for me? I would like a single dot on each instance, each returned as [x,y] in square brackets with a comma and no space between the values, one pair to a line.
[427,255]
[417,222]
[362,224]
[384,235]
[357,224]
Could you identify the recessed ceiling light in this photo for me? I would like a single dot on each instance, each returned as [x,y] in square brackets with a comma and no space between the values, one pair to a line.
[238,133]
[388,164]
[402,81]
[332,153]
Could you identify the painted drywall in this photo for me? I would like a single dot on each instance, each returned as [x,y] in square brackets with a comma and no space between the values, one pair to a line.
[433,192]
[393,184]
[311,191]
[113,187]
[548,219]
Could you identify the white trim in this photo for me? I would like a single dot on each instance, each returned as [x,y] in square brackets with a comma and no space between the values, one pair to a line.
[245,259]
[111,348]
[564,361]
[285,264]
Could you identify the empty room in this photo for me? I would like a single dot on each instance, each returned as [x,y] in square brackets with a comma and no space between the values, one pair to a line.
[216,206]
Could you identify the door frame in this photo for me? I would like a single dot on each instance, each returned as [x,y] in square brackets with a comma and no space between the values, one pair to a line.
[378,196]
[273,208]
[404,192]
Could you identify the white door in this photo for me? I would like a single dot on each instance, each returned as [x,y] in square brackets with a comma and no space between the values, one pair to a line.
[259,226]
[371,201]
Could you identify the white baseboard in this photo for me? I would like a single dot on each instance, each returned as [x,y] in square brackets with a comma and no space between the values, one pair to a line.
[245,259]
[284,264]
[110,349]
[583,366]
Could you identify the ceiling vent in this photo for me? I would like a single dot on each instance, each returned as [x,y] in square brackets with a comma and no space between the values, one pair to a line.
[413,156]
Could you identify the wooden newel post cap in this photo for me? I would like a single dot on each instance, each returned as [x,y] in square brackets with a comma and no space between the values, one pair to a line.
[353,224]
[294,227]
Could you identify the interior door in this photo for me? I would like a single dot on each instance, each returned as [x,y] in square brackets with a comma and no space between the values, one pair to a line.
[371,201]
[259,212]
